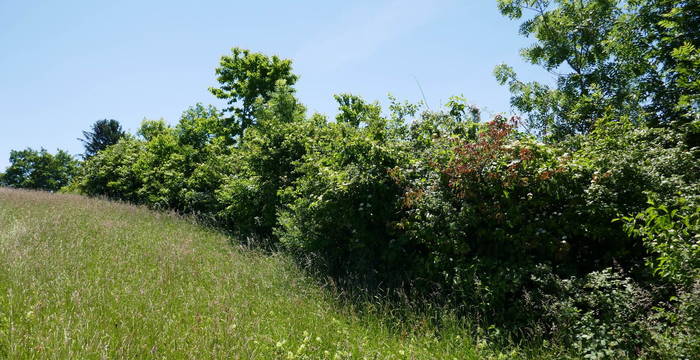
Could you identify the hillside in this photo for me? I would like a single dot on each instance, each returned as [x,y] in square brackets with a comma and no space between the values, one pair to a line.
[84,278]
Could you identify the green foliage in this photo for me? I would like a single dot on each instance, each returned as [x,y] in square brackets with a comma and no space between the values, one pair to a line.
[248,79]
[151,129]
[199,125]
[178,168]
[353,110]
[603,315]
[32,169]
[607,315]
[264,164]
[617,164]
[161,167]
[672,235]
[111,172]
[676,327]
[570,34]
[102,134]
[343,202]
[612,59]
[669,40]
[202,139]
[505,227]
[487,207]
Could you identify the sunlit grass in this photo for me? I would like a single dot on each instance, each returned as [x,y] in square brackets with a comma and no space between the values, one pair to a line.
[90,279]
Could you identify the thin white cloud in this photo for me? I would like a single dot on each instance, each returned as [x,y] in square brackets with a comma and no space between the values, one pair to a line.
[359,34]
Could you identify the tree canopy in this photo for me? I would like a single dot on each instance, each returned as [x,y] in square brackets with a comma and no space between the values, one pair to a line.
[39,170]
[248,79]
[102,134]
[635,59]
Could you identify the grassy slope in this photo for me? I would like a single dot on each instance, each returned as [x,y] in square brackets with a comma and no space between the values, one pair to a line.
[89,279]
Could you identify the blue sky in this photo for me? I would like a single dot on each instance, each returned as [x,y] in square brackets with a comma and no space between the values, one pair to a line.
[65,64]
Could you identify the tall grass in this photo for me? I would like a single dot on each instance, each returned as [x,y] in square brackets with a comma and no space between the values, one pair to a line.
[90,279]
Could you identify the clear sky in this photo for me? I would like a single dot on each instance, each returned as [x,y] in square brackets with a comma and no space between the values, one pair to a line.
[65,64]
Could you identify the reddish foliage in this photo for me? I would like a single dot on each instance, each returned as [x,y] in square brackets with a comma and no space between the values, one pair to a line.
[489,158]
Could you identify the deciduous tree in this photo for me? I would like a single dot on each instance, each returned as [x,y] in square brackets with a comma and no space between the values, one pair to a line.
[635,59]
[247,80]
[34,169]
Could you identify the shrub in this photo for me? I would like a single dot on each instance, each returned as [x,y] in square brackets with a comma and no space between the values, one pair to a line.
[161,167]
[675,328]
[671,235]
[202,140]
[177,168]
[343,202]
[110,172]
[488,207]
[602,315]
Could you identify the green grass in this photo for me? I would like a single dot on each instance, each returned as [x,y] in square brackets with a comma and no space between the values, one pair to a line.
[90,279]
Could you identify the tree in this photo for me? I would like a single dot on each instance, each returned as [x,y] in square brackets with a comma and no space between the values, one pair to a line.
[635,59]
[199,125]
[670,37]
[102,134]
[41,170]
[150,129]
[248,80]
[354,110]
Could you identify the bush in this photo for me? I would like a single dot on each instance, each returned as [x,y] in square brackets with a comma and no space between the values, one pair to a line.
[111,173]
[161,168]
[675,327]
[343,203]
[671,235]
[607,315]
[491,204]
[488,207]
[602,315]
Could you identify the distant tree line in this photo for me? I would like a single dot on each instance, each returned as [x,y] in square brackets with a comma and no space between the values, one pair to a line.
[41,170]
[34,169]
